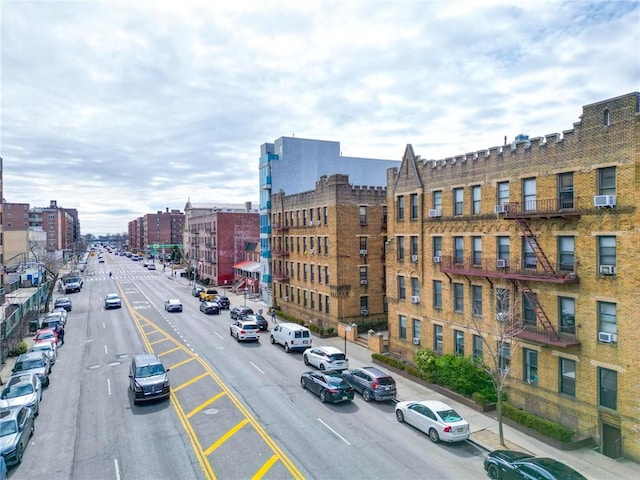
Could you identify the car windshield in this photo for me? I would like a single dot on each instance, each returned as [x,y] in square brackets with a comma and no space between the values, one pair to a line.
[337,356]
[17,391]
[8,427]
[46,335]
[449,416]
[29,365]
[336,382]
[41,347]
[149,371]
[112,297]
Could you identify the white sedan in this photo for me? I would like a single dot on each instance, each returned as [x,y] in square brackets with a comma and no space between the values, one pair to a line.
[435,418]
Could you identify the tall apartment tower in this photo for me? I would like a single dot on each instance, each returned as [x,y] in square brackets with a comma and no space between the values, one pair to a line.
[550,224]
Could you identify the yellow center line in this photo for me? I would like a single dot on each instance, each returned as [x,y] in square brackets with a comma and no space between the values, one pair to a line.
[226,436]
[204,405]
[189,382]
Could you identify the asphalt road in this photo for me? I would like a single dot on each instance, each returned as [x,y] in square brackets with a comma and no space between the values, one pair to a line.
[237,409]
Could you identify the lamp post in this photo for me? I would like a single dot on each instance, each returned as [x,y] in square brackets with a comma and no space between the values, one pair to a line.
[347,330]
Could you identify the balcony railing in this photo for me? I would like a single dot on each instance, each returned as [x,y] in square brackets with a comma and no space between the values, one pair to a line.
[280,276]
[507,269]
[279,252]
[542,208]
[565,337]
[279,227]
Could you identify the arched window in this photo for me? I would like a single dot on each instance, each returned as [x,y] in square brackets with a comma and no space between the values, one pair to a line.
[607,117]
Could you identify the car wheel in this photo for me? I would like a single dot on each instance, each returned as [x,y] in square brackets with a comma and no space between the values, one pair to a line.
[19,454]
[400,416]
[47,382]
[286,348]
[493,471]
[322,367]
[323,397]
[306,359]
[366,395]
[303,382]
[433,435]
[231,332]
[273,340]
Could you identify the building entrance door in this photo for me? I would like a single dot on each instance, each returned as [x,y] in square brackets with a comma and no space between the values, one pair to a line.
[611,441]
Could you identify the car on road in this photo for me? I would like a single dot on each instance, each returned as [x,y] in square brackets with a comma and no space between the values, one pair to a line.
[260,320]
[16,428]
[197,290]
[372,382]
[329,386]
[151,266]
[22,390]
[240,312]
[245,330]
[50,348]
[326,358]
[46,335]
[435,418]
[148,379]
[223,301]
[112,300]
[512,465]
[291,336]
[173,305]
[63,302]
[33,362]
[210,308]
[208,294]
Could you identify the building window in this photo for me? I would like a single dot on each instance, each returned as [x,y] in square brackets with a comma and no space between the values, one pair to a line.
[437,338]
[529,201]
[311,216]
[297,244]
[304,297]
[304,245]
[326,215]
[363,215]
[504,357]
[363,275]
[608,388]
[436,198]
[326,245]
[402,327]
[436,246]
[503,304]
[313,300]
[326,275]
[400,241]
[364,304]
[607,318]
[458,201]
[363,243]
[476,254]
[400,208]
[476,298]
[415,287]
[384,215]
[312,273]
[529,259]
[565,190]
[458,250]
[606,251]
[304,218]
[458,297]
[503,193]
[607,117]
[298,273]
[568,377]
[414,248]
[326,304]
[319,274]
[437,294]
[530,373]
[413,199]
[607,181]
[475,199]
[477,348]
[503,250]
[567,315]
[416,328]
[402,290]
[529,304]
[458,342]
[566,249]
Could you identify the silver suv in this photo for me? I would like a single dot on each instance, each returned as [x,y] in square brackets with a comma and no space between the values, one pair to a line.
[148,378]
[372,382]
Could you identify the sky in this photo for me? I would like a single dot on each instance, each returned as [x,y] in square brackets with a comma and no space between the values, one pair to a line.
[121,108]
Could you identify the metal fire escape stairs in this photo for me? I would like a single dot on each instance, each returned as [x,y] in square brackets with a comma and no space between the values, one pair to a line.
[525,228]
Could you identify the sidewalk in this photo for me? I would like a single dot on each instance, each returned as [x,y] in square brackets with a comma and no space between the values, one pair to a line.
[484,428]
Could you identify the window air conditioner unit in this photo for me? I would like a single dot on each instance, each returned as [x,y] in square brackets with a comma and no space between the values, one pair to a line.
[435,213]
[415,299]
[498,209]
[437,259]
[416,340]
[311,251]
[363,282]
[604,201]
[607,337]
[364,312]
[311,223]
[502,316]
[414,258]
[607,269]
[502,263]
[363,251]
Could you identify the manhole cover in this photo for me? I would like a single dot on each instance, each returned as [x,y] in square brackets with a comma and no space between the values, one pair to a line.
[93,367]
[211,411]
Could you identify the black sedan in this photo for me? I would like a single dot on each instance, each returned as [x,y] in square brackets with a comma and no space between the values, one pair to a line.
[260,320]
[329,386]
[509,464]
[210,308]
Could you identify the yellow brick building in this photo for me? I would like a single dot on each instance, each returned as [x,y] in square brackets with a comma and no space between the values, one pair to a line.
[552,225]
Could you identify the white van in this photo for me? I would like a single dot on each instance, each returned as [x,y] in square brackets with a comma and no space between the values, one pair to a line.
[291,336]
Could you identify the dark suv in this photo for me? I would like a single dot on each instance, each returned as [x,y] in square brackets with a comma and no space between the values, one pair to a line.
[223,301]
[372,382]
[148,378]
[238,313]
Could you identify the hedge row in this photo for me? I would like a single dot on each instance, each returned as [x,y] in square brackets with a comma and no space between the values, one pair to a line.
[551,429]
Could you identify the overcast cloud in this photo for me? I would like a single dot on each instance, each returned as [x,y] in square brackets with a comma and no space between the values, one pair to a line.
[124,108]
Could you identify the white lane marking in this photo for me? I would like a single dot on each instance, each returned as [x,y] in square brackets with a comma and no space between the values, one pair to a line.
[220,336]
[104,325]
[106,352]
[109,385]
[334,432]
[256,367]
[117,468]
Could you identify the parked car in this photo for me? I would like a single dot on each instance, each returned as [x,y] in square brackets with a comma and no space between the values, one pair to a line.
[326,358]
[329,386]
[240,312]
[33,362]
[173,305]
[512,465]
[223,301]
[22,390]
[16,428]
[50,348]
[112,300]
[372,382]
[148,379]
[46,335]
[435,418]
[210,308]
[63,302]
[244,330]
[51,322]
[260,320]
[197,290]
[60,311]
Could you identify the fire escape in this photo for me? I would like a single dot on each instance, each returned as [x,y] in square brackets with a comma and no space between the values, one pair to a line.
[279,253]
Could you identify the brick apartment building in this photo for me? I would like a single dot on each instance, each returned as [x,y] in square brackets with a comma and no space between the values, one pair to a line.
[328,252]
[550,223]
[61,226]
[164,228]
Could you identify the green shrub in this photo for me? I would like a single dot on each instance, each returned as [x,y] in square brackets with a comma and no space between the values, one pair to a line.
[551,429]
[19,349]
[480,399]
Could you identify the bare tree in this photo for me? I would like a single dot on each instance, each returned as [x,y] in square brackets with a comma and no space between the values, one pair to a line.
[499,338]
[51,263]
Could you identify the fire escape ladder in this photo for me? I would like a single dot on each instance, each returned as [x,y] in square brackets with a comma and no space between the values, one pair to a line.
[540,313]
[525,228]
